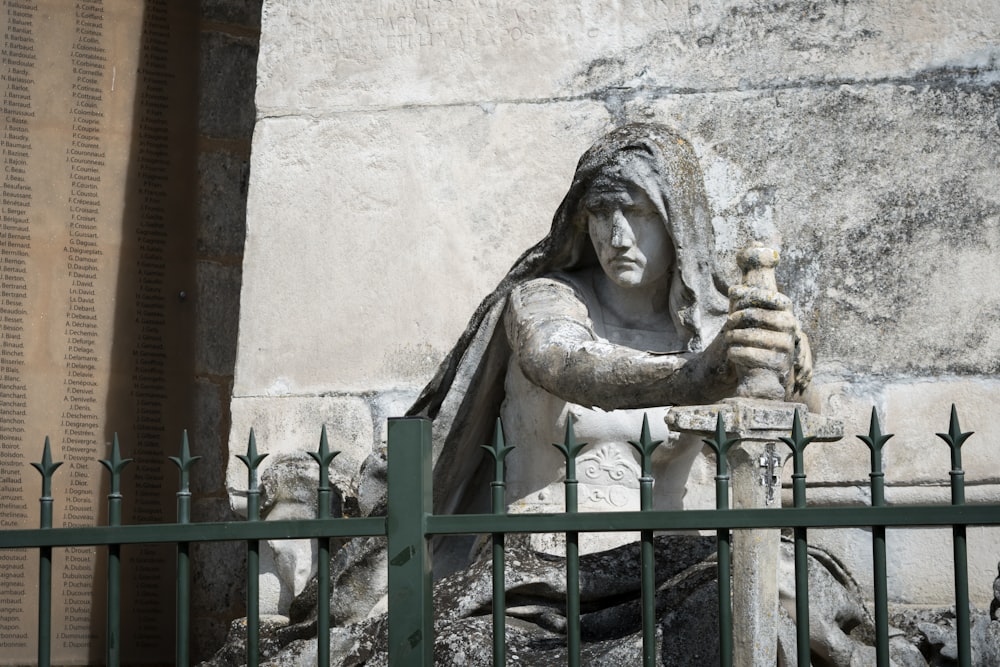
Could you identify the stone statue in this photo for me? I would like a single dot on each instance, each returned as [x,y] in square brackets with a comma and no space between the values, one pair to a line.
[621,311]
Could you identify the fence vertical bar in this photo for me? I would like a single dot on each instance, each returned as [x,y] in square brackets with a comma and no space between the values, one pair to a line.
[411,608]
[324,457]
[46,467]
[955,439]
[114,465]
[182,633]
[252,461]
[647,556]
[721,444]
[499,452]
[570,449]
[798,444]
[875,441]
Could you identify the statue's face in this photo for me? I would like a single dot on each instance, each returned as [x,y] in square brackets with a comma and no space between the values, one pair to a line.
[629,236]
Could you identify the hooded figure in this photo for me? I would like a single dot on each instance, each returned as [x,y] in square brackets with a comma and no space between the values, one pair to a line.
[619,310]
[591,320]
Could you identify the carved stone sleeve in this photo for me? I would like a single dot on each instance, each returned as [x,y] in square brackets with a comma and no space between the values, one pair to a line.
[552,339]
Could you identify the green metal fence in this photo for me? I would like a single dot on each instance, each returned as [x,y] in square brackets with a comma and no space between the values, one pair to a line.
[410,523]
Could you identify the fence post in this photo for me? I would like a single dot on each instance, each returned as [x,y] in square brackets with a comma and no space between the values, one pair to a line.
[645,446]
[114,465]
[963,624]
[499,452]
[47,467]
[724,539]
[411,611]
[570,450]
[252,461]
[182,634]
[324,457]
[876,441]
[798,443]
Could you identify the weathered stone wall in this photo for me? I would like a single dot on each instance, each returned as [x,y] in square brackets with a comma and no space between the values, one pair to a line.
[229,34]
[406,151]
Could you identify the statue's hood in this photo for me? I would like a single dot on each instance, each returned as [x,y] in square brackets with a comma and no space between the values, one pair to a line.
[664,166]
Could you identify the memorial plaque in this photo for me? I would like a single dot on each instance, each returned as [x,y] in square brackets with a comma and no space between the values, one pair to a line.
[96,257]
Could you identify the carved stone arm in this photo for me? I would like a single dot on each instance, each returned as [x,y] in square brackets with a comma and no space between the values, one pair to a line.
[553,341]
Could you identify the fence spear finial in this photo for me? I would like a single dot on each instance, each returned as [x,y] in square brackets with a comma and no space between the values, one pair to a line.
[798,443]
[876,441]
[252,461]
[184,462]
[721,444]
[955,439]
[47,467]
[115,465]
[324,457]
[875,438]
[570,448]
[499,451]
[645,447]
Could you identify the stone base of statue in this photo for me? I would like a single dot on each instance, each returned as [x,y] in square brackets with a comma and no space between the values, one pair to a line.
[686,603]
[756,465]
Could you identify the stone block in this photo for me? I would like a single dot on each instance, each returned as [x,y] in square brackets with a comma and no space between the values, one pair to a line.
[294,423]
[208,474]
[218,580]
[884,201]
[916,463]
[218,309]
[222,190]
[347,55]
[846,461]
[399,222]
[916,411]
[915,460]
[226,93]
[244,13]
[919,562]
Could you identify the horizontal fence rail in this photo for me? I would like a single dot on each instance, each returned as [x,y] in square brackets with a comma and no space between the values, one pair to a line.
[469,524]
[410,524]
